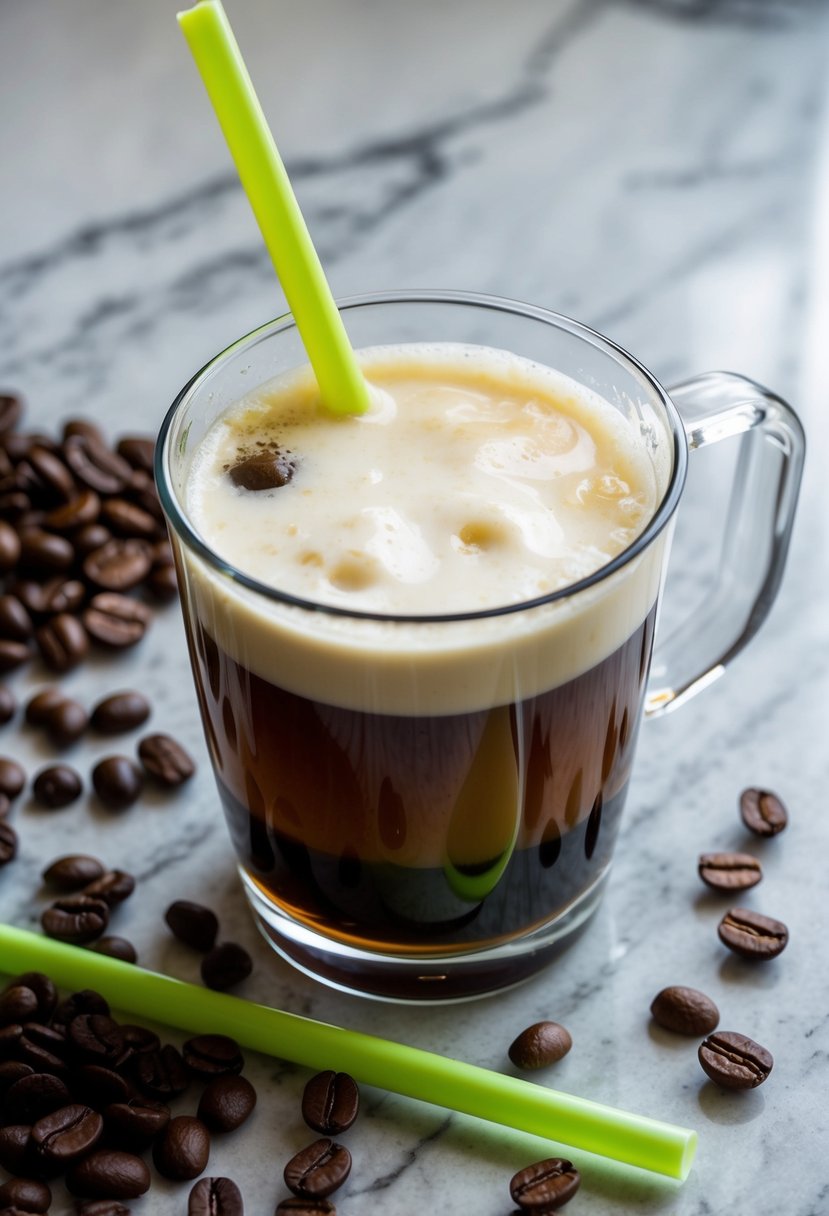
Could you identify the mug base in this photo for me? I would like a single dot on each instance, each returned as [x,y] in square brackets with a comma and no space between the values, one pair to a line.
[438,979]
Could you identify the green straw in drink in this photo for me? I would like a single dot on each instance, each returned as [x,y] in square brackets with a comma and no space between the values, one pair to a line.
[343,389]
[577,1122]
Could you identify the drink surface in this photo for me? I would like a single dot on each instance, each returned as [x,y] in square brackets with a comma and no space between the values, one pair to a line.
[476,480]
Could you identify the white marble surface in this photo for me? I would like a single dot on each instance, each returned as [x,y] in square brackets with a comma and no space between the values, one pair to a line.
[658,168]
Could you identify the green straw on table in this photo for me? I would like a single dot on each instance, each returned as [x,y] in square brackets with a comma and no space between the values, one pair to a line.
[343,389]
[577,1122]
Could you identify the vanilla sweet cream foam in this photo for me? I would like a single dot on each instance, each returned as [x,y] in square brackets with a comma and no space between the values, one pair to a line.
[477,480]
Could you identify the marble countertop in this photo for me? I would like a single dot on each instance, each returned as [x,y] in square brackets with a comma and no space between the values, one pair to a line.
[657,168]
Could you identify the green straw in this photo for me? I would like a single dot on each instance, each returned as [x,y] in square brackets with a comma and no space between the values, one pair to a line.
[342,387]
[577,1122]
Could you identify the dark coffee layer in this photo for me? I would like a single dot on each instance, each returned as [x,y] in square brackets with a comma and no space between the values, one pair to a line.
[391,832]
[383,906]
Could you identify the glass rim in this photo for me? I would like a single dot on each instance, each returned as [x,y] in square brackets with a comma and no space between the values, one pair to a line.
[185,531]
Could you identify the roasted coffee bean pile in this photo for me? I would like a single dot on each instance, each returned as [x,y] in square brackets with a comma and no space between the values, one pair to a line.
[84,1096]
[223,966]
[330,1104]
[82,535]
[117,780]
[732,1061]
[89,894]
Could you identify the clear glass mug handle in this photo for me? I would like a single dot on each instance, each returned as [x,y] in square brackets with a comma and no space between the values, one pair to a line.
[721,405]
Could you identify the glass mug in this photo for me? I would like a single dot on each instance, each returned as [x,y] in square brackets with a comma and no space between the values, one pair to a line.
[425,808]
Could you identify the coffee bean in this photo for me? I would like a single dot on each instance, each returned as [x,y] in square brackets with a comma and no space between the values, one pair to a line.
[165,759]
[8,704]
[136,1123]
[66,722]
[63,642]
[540,1045]
[96,1037]
[32,521]
[95,465]
[685,1011]
[17,1004]
[763,812]
[41,705]
[44,1047]
[109,1174]
[734,1061]
[226,1103]
[72,872]
[117,782]
[116,947]
[57,482]
[266,470]
[35,1096]
[120,712]
[43,988]
[26,1195]
[225,966]
[26,478]
[182,1150]
[85,1001]
[45,552]
[60,595]
[193,924]
[139,1038]
[138,451]
[66,1134]
[15,622]
[14,1144]
[63,719]
[10,1039]
[163,583]
[56,786]
[89,538]
[12,777]
[76,919]
[143,493]
[330,1102]
[162,554]
[753,936]
[9,547]
[99,1086]
[128,519]
[161,1074]
[113,887]
[11,411]
[546,1185]
[212,1055]
[102,1207]
[14,505]
[12,655]
[78,511]
[115,620]
[119,565]
[85,428]
[30,594]
[729,871]
[318,1170]
[12,1071]
[215,1197]
[305,1207]
[8,843]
